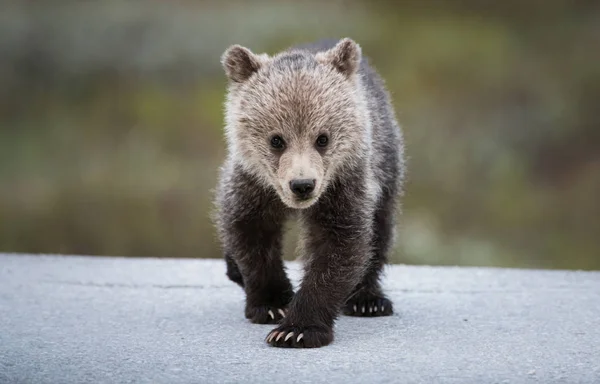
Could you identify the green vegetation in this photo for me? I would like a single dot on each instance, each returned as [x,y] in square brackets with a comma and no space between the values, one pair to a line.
[111,123]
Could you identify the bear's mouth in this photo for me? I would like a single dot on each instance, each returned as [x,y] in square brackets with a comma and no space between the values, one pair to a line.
[297,202]
[303,204]
[303,198]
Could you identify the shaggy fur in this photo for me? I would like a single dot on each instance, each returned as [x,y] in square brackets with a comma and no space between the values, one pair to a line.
[294,99]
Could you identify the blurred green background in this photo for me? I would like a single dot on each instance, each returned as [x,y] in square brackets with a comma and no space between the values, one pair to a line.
[111,122]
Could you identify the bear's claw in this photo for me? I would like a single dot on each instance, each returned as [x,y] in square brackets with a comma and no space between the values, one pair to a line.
[265,314]
[368,305]
[307,337]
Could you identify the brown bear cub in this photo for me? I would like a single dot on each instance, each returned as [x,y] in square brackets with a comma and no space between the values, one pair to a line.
[311,133]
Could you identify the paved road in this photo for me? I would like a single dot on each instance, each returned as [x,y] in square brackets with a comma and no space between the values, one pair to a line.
[111,320]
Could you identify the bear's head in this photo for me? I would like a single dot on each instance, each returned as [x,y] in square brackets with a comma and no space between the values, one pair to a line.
[296,120]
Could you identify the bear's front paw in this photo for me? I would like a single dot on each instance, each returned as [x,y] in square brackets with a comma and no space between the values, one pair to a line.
[265,314]
[290,336]
[365,304]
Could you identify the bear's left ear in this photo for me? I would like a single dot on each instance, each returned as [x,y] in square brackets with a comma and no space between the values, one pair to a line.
[240,63]
[345,57]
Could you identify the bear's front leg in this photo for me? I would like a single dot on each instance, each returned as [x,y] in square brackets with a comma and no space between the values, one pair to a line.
[250,220]
[256,249]
[337,244]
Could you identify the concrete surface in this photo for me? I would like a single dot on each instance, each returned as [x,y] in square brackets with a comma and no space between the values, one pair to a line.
[112,320]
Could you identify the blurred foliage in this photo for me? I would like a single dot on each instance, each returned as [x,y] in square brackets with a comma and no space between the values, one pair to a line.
[111,122]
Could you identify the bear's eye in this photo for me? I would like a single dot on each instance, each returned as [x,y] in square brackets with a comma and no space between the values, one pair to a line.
[277,142]
[322,141]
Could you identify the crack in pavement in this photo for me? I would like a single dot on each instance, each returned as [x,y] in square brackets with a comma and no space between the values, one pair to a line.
[135,286]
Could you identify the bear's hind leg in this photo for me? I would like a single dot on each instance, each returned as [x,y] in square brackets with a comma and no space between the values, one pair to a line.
[367,299]
[233,271]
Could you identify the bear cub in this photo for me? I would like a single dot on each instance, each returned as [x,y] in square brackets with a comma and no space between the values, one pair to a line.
[311,134]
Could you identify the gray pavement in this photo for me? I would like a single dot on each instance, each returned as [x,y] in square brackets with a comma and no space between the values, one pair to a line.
[114,320]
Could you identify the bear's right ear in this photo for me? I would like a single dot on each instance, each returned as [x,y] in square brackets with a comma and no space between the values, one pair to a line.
[240,63]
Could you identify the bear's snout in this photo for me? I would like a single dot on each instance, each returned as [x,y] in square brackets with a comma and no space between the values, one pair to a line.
[302,188]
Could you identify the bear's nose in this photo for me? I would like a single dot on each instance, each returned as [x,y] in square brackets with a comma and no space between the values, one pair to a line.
[302,187]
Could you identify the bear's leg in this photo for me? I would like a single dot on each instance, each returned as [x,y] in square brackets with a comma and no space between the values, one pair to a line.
[257,250]
[233,271]
[337,240]
[367,299]
[251,227]
[254,261]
